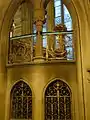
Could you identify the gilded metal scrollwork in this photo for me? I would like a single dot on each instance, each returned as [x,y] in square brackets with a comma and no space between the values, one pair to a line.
[20,51]
[21,104]
[58,101]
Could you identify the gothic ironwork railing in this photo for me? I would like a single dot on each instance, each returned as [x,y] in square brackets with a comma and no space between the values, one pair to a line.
[55,46]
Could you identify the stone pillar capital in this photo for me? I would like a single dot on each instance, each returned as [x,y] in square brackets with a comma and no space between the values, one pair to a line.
[39,25]
[39,16]
[39,20]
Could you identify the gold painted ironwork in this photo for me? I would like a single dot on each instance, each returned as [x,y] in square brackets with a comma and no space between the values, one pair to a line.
[60,51]
[21,102]
[58,101]
[22,49]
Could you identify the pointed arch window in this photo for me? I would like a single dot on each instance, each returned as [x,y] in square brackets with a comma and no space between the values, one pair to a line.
[21,101]
[62,16]
[20,46]
[58,101]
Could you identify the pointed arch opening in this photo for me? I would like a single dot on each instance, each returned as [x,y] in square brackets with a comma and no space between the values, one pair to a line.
[58,101]
[21,101]
[63,20]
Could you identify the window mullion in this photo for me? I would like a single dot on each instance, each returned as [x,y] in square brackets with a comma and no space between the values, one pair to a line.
[62,12]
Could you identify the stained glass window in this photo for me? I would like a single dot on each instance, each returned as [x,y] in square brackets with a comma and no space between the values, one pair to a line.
[44,37]
[21,101]
[58,101]
[62,16]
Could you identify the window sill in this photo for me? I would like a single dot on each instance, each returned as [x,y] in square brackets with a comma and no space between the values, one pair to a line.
[41,62]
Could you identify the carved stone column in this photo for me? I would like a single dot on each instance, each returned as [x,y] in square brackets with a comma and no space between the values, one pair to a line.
[50,24]
[39,21]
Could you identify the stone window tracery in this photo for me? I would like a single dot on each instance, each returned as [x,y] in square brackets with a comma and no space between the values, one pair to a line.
[21,101]
[58,101]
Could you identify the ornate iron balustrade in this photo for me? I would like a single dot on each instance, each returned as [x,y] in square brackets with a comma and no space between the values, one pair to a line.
[55,46]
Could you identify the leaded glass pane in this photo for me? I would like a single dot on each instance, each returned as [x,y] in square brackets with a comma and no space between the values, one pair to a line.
[57,11]
[58,101]
[69,53]
[34,29]
[68,25]
[21,102]
[62,16]
[57,20]
[44,25]
[44,41]
[44,29]
[67,18]
[44,37]
[57,2]
[34,40]
[68,40]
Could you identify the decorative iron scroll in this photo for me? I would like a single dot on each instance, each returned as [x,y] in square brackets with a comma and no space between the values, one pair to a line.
[20,51]
[58,101]
[21,102]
